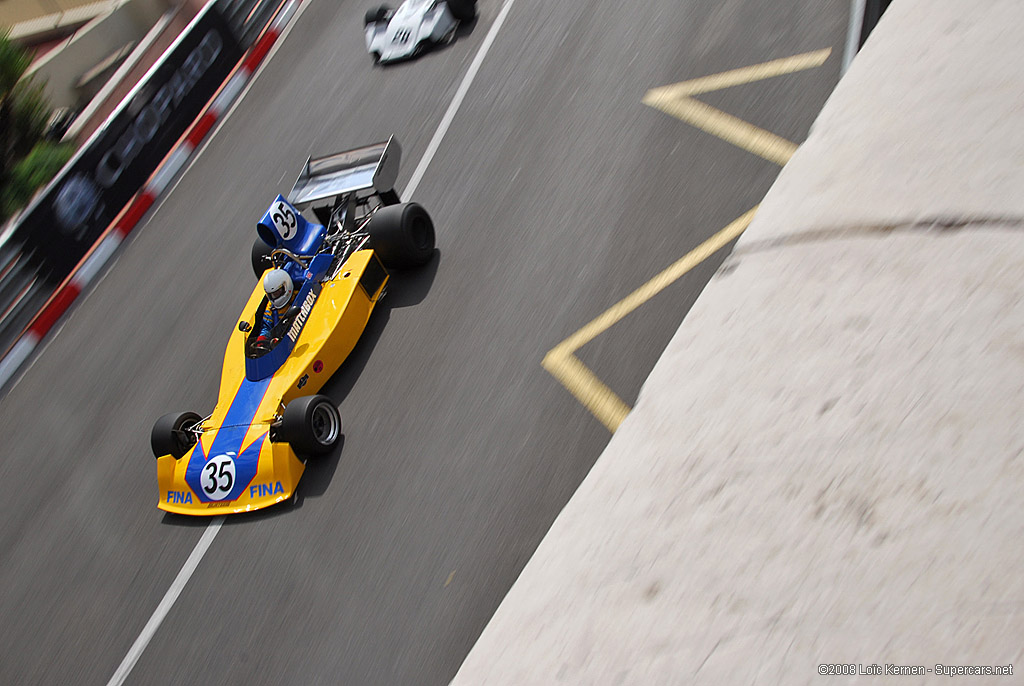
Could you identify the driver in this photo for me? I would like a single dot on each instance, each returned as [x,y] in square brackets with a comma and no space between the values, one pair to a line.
[280,293]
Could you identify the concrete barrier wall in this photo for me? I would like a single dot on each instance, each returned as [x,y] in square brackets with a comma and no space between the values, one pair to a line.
[820,481]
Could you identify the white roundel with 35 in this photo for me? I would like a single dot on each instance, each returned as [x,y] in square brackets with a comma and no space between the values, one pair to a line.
[285,221]
[218,477]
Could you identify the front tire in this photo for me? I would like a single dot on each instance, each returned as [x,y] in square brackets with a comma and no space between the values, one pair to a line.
[463,10]
[402,235]
[261,261]
[312,425]
[377,14]
[172,435]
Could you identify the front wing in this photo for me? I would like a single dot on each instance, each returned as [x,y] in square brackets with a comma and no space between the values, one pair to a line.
[273,480]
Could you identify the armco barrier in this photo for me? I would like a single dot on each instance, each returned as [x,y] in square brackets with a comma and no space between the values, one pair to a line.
[107,245]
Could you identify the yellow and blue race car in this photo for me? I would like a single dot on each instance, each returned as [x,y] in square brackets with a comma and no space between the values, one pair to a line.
[249,452]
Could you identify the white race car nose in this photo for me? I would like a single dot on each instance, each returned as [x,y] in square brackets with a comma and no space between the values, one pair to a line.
[413,25]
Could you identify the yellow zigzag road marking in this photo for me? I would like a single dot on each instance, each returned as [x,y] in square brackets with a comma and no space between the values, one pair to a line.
[728,128]
[744,75]
[676,100]
[562,363]
[602,402]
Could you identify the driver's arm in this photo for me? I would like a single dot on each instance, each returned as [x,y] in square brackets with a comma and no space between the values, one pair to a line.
[270,320]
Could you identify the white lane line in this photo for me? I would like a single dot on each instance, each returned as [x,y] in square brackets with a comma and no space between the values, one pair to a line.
[165,605]
[853,34]
[460,94]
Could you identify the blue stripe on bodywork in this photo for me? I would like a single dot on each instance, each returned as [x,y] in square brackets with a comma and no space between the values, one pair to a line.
[229,442]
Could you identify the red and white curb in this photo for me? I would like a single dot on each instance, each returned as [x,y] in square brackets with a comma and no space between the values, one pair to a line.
[90,267]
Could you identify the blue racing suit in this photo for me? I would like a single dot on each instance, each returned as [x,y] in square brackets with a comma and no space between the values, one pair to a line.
[271,318]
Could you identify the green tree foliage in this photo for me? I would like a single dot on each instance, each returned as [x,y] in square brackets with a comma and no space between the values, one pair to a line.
[27,161]
[32,173]
[14,62]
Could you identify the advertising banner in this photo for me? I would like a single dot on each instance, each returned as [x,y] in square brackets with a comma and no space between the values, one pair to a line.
[66,220]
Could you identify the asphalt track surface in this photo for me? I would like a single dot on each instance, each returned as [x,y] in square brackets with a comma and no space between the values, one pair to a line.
[555,193]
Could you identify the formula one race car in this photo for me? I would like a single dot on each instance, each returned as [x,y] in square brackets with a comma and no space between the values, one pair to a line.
[416,25]
[249,452]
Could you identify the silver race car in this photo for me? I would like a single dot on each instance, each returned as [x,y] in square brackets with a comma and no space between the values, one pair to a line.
[416,25]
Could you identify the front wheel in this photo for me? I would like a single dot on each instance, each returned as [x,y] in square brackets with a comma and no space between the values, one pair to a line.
[173,434]
[463,10]
[377,14]
[312,425]
[402,235]
[261,261]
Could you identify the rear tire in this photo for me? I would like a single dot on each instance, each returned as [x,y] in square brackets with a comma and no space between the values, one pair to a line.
[402,235]
[463,10]
[377,14]
[171,435]
[312,425]
[261,257]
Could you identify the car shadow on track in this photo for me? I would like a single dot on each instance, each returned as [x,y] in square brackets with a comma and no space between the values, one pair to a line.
[185,521]
[319,472]
[405,289]
[466,28]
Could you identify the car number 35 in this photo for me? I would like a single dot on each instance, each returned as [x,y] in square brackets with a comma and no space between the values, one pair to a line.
[284,220]
[218,477]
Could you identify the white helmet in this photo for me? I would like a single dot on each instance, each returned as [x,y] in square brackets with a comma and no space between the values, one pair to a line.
[278,286]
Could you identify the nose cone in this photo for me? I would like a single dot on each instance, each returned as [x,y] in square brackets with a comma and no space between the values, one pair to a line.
[402,37]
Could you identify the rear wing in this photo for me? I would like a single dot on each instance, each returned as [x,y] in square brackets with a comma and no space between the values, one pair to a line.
[372,167]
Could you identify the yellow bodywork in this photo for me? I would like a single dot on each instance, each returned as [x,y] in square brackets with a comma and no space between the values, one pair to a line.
[332,330]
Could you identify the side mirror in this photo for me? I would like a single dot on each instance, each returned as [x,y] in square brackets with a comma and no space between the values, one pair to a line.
[244,327]
[292,312]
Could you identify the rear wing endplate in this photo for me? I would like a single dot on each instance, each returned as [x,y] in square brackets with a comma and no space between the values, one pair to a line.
[370,167]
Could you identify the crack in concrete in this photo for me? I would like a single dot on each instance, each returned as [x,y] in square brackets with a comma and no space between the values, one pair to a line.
[936,224]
